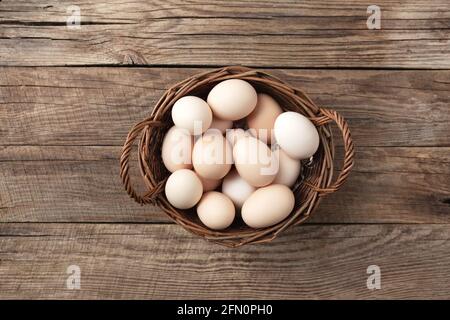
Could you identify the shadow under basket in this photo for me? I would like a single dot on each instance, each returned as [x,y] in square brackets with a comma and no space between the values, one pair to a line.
[315,181]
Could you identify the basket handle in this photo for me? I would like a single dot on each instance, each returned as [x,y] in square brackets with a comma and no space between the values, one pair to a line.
[328,116]
[124,163]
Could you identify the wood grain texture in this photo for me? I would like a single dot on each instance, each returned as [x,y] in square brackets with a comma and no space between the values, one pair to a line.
[311,33]
[82,184]
[69,97]
[97,106]
[163,261]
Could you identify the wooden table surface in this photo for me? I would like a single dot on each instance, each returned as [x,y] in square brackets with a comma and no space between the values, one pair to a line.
[69,96]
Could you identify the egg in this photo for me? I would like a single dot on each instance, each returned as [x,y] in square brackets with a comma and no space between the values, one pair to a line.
[234,135]
[296,135]
[268,206]
[212,156]
[192,113]
[183,189]
[262,119]
[288,168]
[236,188]
[209,184]
[216,210]
[232,99]
[253,161]
[176,151]
[221,125]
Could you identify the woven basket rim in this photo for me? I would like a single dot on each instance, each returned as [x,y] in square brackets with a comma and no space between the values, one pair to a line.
[317,178]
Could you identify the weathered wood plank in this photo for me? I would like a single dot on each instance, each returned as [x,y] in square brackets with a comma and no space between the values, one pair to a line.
[164,261]
[97,106]
[84,187]
[75,183]
[125,11]
[260,33]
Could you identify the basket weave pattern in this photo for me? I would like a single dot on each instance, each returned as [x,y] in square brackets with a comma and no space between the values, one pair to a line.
[316,179]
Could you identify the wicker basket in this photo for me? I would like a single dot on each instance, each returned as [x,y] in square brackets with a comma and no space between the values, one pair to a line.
[314,182]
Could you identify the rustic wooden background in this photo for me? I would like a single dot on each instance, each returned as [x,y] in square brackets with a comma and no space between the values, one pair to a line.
[68,98]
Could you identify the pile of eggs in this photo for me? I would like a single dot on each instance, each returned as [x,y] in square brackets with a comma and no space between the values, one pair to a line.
[235,156]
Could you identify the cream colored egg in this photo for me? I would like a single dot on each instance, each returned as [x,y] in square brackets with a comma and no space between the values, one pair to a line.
[192,113]
[288,168]
[176,151]
[212,156]
[262,119]
[216,210]
[236,188]
[268,206]
[253,161]
[221,125]
[209,184]
[234,135]
[296,135]
[232,99]
[183,189]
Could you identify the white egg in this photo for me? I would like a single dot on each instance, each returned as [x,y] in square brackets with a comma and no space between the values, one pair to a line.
[236,188]
[296,135]
[232,99]
[288,168]
[192,113]
[183,189]
[216,210]
[254,161]
[176,151]
[268,206]
[212,156]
